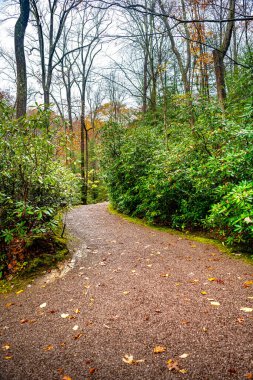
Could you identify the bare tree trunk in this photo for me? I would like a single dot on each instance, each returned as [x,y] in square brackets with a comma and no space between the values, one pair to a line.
[218,57]
[19,37]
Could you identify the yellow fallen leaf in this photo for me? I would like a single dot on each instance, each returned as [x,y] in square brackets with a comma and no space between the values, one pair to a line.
[129,359]
[246,309]
[203,292]
[8,357]
[66,377]
[48,348]
[165,275]
[212,279]
[92,299]
[77,311]
[6,347]
[248,283]
[194,281]
[250,298]
[9,304]
[126,292]
[214,303]
[159,349]
[178,283]
[183,370]
[19,291]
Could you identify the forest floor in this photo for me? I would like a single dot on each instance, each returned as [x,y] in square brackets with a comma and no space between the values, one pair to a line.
[133,304]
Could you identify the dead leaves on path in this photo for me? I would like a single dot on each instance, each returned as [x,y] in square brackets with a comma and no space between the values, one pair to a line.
[129,359]
[159,349]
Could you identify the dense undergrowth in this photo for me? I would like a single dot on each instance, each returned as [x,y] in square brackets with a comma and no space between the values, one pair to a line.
[191,168]
[34,187]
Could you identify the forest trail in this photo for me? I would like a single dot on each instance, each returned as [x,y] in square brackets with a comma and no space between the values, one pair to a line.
[131,290]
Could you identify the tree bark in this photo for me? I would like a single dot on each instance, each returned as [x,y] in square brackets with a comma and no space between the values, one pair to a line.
[19,38]
[218,57]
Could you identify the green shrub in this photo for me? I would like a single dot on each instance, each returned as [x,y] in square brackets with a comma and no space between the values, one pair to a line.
[233,215]
[34,184]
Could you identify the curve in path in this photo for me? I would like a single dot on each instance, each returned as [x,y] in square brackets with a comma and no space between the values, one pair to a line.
[131,290]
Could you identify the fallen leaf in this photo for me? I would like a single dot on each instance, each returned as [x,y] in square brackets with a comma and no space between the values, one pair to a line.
[48,348]
[240,320]
[126,292]
[247,284]
[183,370]
[43,305]
[22,321]
[75,328]
[9,304]
[249,375]
[92,299]
[205,329]
[149,265]
[78,336]
[92,370]
[8,357]
[64,315]
[203,292]
[19,291]
[183,356]
[214,303]
[212,279]
[246,309]
[220,281]
[66,377]
[250,298]
[159,349]
[172,365]
[129,359]
[194,281]
[165,275]
[6,347]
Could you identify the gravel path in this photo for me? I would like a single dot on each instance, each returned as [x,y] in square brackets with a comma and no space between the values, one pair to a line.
[130,290]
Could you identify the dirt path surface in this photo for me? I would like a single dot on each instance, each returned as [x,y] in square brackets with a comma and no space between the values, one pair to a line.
[131,289]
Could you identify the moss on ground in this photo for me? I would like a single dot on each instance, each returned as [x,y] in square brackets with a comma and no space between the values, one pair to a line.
[200,236]
[43,253]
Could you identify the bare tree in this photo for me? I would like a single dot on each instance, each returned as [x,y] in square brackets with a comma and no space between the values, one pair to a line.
[19,38]
[50,24]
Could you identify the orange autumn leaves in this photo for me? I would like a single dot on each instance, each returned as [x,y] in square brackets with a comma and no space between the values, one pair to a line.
[171,364]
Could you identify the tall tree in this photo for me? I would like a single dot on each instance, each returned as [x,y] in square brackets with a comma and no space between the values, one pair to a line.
[19,38]
[50,25]
[219,54]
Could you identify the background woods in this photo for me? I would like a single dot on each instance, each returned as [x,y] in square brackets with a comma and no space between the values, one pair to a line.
[146,102]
